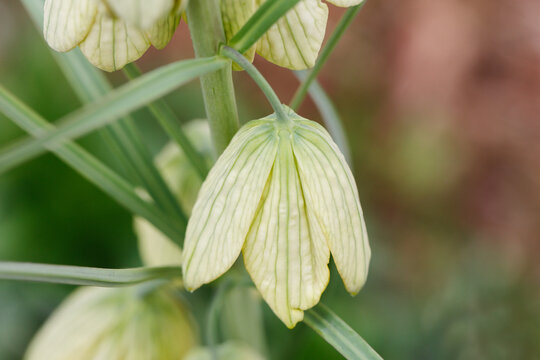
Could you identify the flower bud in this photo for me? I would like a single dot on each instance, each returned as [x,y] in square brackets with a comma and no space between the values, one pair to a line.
[283,194]
[184,181]
[115,324]
[294,40]
[110,33]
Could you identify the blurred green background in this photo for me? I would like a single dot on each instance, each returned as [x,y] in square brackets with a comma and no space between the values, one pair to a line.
[441,105]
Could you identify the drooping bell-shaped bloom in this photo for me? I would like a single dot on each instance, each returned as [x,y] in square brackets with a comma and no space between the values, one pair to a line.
[155,248]
[115,324]
[110,33]
[294,40]
[282,194]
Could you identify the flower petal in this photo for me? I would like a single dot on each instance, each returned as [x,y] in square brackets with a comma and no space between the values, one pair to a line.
[235,13]
[227,203]
[345,3]
[294,41]
[286,252]
[155,248]
[163,30]
[331,192]
[101,323]
[67,22]
[142,14]
[111,44]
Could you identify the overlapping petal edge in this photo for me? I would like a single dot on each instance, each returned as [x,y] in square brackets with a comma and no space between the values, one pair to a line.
[294,40]
[284,196]
[110,35]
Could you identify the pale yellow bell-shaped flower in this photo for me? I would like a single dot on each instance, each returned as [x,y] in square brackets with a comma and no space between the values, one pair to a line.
[155,248]
[283,194]
[115,324]
[110,33]
[294,40]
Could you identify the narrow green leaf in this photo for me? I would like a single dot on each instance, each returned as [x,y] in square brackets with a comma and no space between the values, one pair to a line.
[89,167]
[88,276]
[117,103]
[331,44]
[122,136]
[267,14]
[329,114]
[165,116]
[338,334]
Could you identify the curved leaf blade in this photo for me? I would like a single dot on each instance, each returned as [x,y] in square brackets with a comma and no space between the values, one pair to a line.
[87,276]
[117,103]
[338,334]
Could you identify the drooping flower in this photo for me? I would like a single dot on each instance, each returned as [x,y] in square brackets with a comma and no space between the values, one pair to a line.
[294,40]
[155,248]
[282,194]
[110,33]
[115,324]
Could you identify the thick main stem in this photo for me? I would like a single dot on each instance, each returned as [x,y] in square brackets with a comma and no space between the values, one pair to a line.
[206,27]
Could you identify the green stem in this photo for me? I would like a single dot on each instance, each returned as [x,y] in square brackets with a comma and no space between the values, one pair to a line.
[87,276]
[206,27]
[258,78]
[343,24]
[212,320]
[165,116]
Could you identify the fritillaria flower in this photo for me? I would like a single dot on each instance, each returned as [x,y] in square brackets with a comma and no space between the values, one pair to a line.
[294,40]
[115,324]
[282,194]
[110,33]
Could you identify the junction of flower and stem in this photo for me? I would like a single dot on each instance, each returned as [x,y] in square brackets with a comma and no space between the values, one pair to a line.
[263,84]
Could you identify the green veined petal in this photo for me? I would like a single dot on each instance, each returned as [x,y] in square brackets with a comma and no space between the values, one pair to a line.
[235,13]
[331,192]
[227,203]
[97,323]
[295,40]
[142,14]
[67,22]
[345,3]
[286,252]
[112,43]
[163,30]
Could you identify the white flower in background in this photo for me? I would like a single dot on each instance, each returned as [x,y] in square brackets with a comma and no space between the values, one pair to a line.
[110,33]
[184,181]
[283,194]
[115,324]
[294,40]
